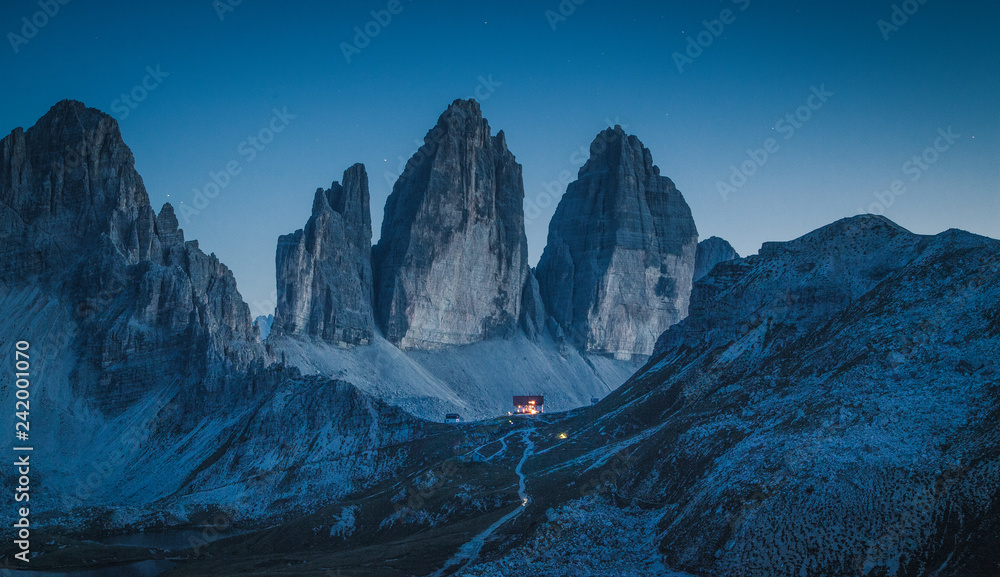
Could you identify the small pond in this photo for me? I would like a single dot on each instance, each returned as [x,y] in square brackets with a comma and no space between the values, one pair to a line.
[170,540]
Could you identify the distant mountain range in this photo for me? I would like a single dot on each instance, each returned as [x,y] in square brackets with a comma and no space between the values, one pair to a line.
[826,407]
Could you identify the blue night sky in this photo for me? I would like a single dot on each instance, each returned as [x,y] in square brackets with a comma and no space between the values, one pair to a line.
[551,91]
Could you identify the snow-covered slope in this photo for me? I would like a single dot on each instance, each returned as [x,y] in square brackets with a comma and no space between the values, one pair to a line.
[477,381]
[283,443]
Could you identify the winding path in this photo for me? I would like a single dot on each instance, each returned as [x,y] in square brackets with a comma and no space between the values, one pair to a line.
[470,551]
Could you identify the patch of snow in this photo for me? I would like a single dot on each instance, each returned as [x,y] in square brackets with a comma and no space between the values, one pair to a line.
[477,381]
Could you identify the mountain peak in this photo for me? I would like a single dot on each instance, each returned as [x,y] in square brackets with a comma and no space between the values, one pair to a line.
[460,111]
[462,119]
[459,200]
[711,252]
[71,181]
[69,104]
[79,224]
[870,222]
[614,147]
[867,230]
[167,227]
[470,105]
[620,259]
[72,116]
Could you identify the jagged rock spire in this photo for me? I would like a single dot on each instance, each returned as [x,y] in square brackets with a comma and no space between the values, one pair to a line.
[452,259]
[617,269]
[324,271]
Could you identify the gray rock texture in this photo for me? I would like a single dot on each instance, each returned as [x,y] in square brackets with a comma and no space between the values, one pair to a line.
[452,259]
[618,267]
[150,309]
[790,287]
[711,252]
[324,273]
[67,185]
[533,315]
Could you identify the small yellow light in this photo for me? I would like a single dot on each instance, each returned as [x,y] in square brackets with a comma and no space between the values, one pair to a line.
[562,435]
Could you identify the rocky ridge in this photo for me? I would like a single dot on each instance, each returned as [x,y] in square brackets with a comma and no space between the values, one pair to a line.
[829,403]
[152,392]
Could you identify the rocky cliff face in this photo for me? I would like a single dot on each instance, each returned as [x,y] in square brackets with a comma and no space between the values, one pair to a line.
[67,187]
[617,269]
[711,252]
[324,271]
[151,310]
[452,259]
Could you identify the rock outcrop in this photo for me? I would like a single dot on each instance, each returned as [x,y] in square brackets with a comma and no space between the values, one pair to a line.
[452,259]
[151,310]
[618,267]
[264,324]
[324,271]
[711,252]
[533,315]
